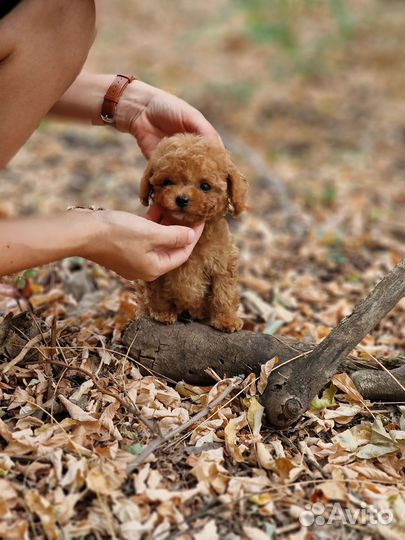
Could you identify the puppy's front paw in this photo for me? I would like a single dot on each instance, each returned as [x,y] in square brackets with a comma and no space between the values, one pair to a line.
[227,323]
[165,317]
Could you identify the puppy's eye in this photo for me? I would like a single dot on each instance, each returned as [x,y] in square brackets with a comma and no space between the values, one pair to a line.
[167,182]
[205,187]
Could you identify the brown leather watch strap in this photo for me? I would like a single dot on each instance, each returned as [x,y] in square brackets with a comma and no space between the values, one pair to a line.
[113,95]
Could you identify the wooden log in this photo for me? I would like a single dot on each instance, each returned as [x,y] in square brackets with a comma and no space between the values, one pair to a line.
[381,385]
[183,351]
[291,389]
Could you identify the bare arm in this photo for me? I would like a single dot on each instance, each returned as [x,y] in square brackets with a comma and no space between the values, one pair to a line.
[29,242]
[132,246]
[146,112]
[84,98]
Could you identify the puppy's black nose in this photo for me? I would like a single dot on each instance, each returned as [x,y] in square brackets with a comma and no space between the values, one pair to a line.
[182,201]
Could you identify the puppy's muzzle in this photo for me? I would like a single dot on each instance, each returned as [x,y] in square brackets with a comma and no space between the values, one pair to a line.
[182,201]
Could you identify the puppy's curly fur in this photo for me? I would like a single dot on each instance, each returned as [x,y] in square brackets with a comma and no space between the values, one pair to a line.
[194,180]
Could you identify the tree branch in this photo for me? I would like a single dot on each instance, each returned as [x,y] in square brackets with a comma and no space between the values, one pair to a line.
[292,388]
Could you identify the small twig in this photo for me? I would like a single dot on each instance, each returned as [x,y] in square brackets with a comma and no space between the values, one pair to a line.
[288,528]
[55,390]
[184,437]
[390,403]
[309,458]
[47,366]
[31,344]
[286,344]
[21,355]
[156,443]
[35,320]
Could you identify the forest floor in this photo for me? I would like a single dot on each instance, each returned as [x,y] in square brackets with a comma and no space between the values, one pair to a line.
[309,99]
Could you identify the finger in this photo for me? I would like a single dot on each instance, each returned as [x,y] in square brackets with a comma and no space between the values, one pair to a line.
[154,213]
[172,237]
[195,122]
[169,259]
[147,136]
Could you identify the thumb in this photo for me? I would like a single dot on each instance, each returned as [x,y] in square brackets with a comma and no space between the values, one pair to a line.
[172,236]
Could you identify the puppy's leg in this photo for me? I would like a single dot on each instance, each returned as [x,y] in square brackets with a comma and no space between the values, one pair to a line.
[162,312]
[140,294]
[225,299]
[159,307]
[199,311]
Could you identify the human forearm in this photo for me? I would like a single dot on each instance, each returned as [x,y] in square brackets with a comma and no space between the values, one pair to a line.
[30,242]
[132,246]
[84,98]
[146,112]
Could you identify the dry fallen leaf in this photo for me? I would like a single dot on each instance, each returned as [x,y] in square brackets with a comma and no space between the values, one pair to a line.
[104,479]
[231,430]
[208,531]
[344,383]
[265,371]
[254,416]
[46,513]
[76,412]
[333,491]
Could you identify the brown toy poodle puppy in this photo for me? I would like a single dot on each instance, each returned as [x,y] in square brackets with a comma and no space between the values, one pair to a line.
[194,180]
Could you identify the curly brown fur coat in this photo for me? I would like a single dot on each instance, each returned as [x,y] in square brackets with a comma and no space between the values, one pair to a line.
[194,180]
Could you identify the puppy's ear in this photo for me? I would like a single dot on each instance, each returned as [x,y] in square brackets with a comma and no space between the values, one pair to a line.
[145,189]
[237,190]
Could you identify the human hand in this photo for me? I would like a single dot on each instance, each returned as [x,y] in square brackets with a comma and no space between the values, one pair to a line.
[149,114]
[135,247]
